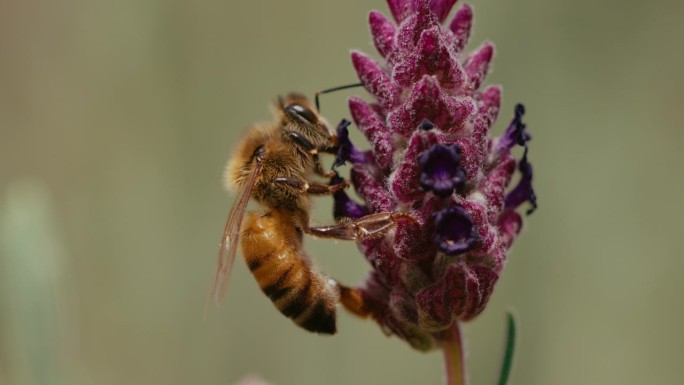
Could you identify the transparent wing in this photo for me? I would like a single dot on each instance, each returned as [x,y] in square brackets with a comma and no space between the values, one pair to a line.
[229,240]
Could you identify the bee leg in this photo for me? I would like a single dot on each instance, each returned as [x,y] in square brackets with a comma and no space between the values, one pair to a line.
[352,299]
[369,226]
[312,188]
[302,142]
[307,146]
[318,168]
[296,183]
[332,149]
[324,189]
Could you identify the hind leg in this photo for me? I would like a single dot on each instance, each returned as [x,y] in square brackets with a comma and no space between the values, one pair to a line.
[369,226]
[352,300]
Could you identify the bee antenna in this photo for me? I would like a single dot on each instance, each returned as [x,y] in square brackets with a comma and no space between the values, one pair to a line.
[329,90]
[281,101]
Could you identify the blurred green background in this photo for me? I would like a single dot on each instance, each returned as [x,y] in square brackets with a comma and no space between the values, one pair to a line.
[116,119]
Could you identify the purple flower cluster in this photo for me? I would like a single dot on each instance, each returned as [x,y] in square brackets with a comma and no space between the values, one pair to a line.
[431,156]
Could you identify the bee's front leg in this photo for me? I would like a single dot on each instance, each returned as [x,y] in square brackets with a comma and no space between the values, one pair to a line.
[369,226]
[318,167]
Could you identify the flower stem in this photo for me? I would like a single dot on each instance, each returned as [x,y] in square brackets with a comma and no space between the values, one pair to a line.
[454,360]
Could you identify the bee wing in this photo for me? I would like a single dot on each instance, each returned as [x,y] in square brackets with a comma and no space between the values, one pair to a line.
[229,240]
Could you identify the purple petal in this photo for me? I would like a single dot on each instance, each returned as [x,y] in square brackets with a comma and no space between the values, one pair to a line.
[523,192]
[440,169]
[456,232]
[344,206]
[375,80]
[374,129]
[461,25]
[383,33]
[347,151]
[514,134]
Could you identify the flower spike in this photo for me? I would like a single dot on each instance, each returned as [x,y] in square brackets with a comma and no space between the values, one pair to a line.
[434,165]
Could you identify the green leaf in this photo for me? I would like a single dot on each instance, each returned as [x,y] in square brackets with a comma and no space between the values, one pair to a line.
[510,350]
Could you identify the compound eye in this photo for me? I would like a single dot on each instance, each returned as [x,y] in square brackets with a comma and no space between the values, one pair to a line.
[302,112]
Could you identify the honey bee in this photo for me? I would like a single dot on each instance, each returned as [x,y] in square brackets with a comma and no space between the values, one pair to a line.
[274,164]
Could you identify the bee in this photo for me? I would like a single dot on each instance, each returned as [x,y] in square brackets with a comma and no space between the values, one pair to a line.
[274,164]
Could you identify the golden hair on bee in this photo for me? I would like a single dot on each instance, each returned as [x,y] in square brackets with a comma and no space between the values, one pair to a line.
[275,165]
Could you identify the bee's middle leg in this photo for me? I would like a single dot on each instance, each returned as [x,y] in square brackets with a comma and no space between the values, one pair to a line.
[312,188]
[369,226]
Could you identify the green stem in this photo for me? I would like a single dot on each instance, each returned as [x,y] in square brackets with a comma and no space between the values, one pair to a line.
[454,360]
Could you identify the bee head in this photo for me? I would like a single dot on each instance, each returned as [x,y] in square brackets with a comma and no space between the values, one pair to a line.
[298,114]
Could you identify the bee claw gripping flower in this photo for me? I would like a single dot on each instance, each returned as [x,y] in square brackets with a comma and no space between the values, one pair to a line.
[432,157]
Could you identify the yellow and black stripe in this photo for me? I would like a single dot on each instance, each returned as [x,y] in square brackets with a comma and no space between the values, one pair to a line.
[273,253]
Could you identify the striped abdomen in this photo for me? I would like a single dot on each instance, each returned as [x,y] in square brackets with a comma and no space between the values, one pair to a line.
[272,249]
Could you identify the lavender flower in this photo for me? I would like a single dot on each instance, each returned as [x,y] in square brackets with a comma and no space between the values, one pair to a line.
[432,157]
[440,171]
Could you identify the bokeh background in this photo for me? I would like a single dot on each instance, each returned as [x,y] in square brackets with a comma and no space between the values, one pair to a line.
[116,119]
